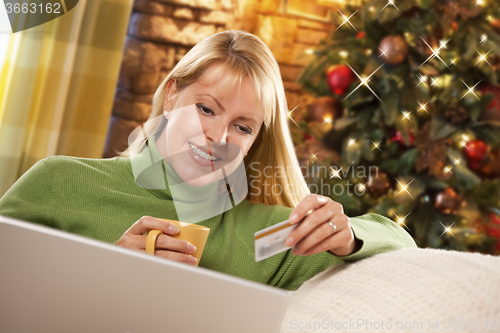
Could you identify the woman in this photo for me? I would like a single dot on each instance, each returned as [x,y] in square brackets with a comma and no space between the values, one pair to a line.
[233,82]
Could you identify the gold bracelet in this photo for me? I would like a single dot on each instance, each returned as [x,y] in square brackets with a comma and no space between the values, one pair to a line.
[151,241]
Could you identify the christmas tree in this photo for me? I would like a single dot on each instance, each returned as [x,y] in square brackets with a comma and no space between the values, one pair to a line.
[406,122]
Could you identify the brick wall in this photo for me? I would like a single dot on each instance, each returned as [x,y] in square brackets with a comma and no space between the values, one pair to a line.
[161,32]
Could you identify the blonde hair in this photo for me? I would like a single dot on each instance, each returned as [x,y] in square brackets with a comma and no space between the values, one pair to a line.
[244,54]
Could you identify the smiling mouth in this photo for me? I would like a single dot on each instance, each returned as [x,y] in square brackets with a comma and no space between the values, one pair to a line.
[202,154]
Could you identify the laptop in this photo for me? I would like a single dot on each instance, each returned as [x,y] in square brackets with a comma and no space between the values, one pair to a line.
[55,281]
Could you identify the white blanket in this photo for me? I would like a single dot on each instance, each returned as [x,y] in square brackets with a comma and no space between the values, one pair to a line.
[407,290]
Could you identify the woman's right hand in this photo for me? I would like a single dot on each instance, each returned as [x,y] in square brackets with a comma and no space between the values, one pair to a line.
[166,246]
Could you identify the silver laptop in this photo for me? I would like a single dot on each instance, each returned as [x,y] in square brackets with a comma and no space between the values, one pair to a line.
[55,281]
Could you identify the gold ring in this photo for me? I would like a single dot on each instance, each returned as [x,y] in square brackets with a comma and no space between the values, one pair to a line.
[151,241]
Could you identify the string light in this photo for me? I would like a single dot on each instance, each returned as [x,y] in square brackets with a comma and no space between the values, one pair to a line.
[343,54]
[484,38]
[328,119]
[351,142]
[447,169]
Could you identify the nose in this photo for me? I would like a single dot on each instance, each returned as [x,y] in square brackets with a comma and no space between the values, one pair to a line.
[217,134]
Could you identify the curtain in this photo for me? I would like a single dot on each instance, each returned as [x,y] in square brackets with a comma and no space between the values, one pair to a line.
[57,86]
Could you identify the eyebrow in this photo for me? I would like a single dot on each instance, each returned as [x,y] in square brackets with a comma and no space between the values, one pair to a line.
[223,109]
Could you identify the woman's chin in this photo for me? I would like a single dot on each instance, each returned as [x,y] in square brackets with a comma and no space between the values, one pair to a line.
[195,178]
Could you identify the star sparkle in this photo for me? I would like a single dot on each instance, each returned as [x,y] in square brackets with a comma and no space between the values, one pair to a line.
[447,229]
[465,140]
[422,80]
[401,220]
[335,173]
[376,145]
[362,187]
[435,52]
[289,114]
[404,188]
[390,2]
[470,90]
[347,20]
[482,57]
[423,107]
[364,82]
[406,115]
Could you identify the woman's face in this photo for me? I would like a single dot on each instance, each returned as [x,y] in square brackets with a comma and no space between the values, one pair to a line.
[209,127]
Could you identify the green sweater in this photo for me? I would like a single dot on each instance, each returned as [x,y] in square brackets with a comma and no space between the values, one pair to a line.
[99,198]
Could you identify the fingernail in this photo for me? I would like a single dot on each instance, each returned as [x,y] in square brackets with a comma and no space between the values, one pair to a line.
[173,228]
[191,247]
[322,199]
[294,218]
[289,241]
[295,251]
[192,260]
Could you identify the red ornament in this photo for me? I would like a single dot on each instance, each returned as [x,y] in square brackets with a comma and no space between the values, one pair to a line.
[398,137]
[360,35]
[493,228]
[308,137]
[475,153]
[339,79]
[492,111]
[454,25]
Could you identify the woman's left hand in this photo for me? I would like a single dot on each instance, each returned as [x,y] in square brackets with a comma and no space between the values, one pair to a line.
[315,234]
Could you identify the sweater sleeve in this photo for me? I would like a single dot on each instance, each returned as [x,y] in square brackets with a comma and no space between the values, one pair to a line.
[377,233]
[30,197]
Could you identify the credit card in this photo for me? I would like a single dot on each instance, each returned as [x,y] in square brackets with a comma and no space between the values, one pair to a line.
[271,241]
